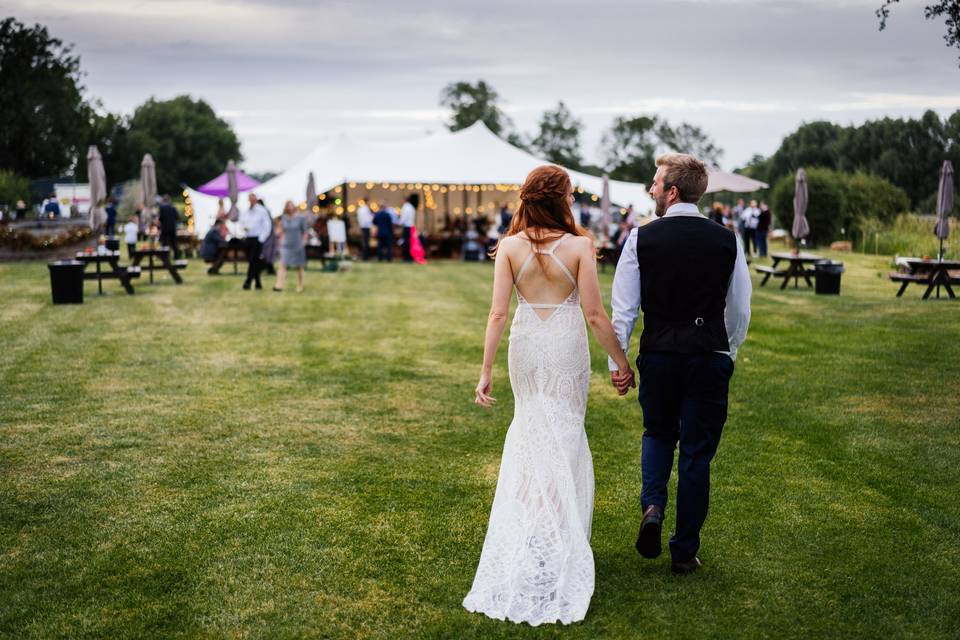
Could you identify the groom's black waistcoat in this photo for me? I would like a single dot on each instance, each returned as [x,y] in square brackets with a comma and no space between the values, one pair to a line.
[685,266]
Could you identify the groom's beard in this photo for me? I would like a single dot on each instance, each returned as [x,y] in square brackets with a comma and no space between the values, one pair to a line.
[661,206]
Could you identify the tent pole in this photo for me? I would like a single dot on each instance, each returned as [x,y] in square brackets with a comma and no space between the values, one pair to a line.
[466,219]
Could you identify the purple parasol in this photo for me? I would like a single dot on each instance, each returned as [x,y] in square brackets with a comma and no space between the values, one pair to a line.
[218,186]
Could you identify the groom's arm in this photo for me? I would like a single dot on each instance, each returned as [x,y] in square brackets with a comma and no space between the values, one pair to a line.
[737,313]
[626,295]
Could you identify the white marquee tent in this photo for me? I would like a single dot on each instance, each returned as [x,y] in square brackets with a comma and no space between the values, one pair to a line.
[474,156]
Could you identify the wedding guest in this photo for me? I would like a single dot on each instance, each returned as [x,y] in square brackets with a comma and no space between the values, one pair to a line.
[222,213]
[21,211]
[505,218]
[716,213]
[408,216]
[214,241]
[750,215]
[256,224]
[631,217]
[111,210]
[365,220]
[337,231]
[131,231]
[269,251]
[764,219]
[383,221]
[51,208]
[293,252]
[168,226]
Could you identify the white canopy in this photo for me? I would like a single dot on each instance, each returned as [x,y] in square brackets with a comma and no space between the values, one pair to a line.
[723,181]
[471,156]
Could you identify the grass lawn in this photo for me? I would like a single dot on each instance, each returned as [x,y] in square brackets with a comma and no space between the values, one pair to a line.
[201,461]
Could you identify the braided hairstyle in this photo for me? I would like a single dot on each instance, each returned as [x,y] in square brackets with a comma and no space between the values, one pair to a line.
[544,207]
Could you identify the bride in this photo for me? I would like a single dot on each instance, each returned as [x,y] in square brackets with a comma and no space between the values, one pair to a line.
[536,565]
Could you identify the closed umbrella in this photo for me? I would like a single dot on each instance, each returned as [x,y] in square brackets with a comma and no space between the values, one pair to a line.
[148,188]
[605,205]
[801,228]
[232,190]
[98,187]
[944,203]
[311,199]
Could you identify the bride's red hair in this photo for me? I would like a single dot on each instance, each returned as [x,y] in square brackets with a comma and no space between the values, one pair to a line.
[545,207]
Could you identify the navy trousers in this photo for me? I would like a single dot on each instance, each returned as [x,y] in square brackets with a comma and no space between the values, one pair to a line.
[684,400]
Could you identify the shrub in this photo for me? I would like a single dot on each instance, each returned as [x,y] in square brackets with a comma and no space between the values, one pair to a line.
[13,188]
[826,207]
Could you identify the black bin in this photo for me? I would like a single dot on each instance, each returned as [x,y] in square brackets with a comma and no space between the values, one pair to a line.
[66,281]
[828,274]
[113,243]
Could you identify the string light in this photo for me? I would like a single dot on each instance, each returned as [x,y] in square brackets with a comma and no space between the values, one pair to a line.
[322,196]
[338,189]
[351,208]
[353,185]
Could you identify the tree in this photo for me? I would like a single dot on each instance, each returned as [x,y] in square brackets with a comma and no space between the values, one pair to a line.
[187,140]
[813,144]
[826,210]
[469,103]
[948,8]
[630,148]
[687,138]
[42,110]
[558,137]
[109,131]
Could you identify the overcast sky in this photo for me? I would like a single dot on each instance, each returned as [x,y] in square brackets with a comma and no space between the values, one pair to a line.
[289,73]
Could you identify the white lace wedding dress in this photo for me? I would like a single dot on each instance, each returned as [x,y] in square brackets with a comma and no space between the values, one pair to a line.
[536,565]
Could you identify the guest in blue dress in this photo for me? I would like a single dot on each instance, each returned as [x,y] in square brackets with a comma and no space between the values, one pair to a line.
[293,253]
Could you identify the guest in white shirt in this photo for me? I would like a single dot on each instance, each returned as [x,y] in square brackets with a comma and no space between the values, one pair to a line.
[408,217]
[130,231]
[696,309]
[257,225]
[751,218]
[365,222]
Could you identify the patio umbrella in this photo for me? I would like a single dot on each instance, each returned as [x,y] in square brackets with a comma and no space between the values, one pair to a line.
[944,203]
[801,228]
[98,187]
[232,190]
[148,187]
[311,192]
[605,205]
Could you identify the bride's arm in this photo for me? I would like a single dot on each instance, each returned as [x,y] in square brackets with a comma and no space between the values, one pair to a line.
[496,321]
[594,310]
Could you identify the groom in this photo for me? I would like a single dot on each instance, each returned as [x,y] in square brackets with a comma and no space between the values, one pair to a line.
[696,307]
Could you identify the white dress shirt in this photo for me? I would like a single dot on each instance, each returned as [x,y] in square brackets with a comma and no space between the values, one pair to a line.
[364,217]
[626,291]
[408,215]
[256,221]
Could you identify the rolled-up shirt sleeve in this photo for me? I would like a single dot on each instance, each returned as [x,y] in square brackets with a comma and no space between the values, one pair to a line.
[737,312]
[625,302]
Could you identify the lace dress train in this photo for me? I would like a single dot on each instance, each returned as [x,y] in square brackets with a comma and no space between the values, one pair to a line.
[536,565]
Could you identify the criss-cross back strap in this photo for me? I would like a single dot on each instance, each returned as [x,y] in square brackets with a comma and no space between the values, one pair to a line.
[552,252]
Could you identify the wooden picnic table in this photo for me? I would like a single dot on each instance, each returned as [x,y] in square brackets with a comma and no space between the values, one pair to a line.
[163,255]
[933,273]
[111,258]
[796,268]
[233,251]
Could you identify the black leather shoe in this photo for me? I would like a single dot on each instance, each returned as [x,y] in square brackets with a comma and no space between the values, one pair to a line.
[686,568]
[648,540]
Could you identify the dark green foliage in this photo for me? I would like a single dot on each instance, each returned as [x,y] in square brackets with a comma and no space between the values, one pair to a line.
[907,152]
[188,141]
[13,188]
[469,103]
[558,137]
[42,111]
[827,204]
[631,146]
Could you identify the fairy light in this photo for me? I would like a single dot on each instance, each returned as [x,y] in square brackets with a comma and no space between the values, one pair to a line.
[316,208]
[353,185]
[338,190]
[351,208]
[322,196]
[302,206]
[339,211]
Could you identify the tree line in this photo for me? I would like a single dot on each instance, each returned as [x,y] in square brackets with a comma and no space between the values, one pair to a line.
[48,121]
[629,147]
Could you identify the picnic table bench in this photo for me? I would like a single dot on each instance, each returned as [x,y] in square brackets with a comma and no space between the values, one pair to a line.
[933,273]
[166,264]
[796,268]
[118,272]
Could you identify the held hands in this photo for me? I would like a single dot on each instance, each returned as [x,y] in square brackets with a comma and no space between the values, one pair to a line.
[623,380]
[482,395]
